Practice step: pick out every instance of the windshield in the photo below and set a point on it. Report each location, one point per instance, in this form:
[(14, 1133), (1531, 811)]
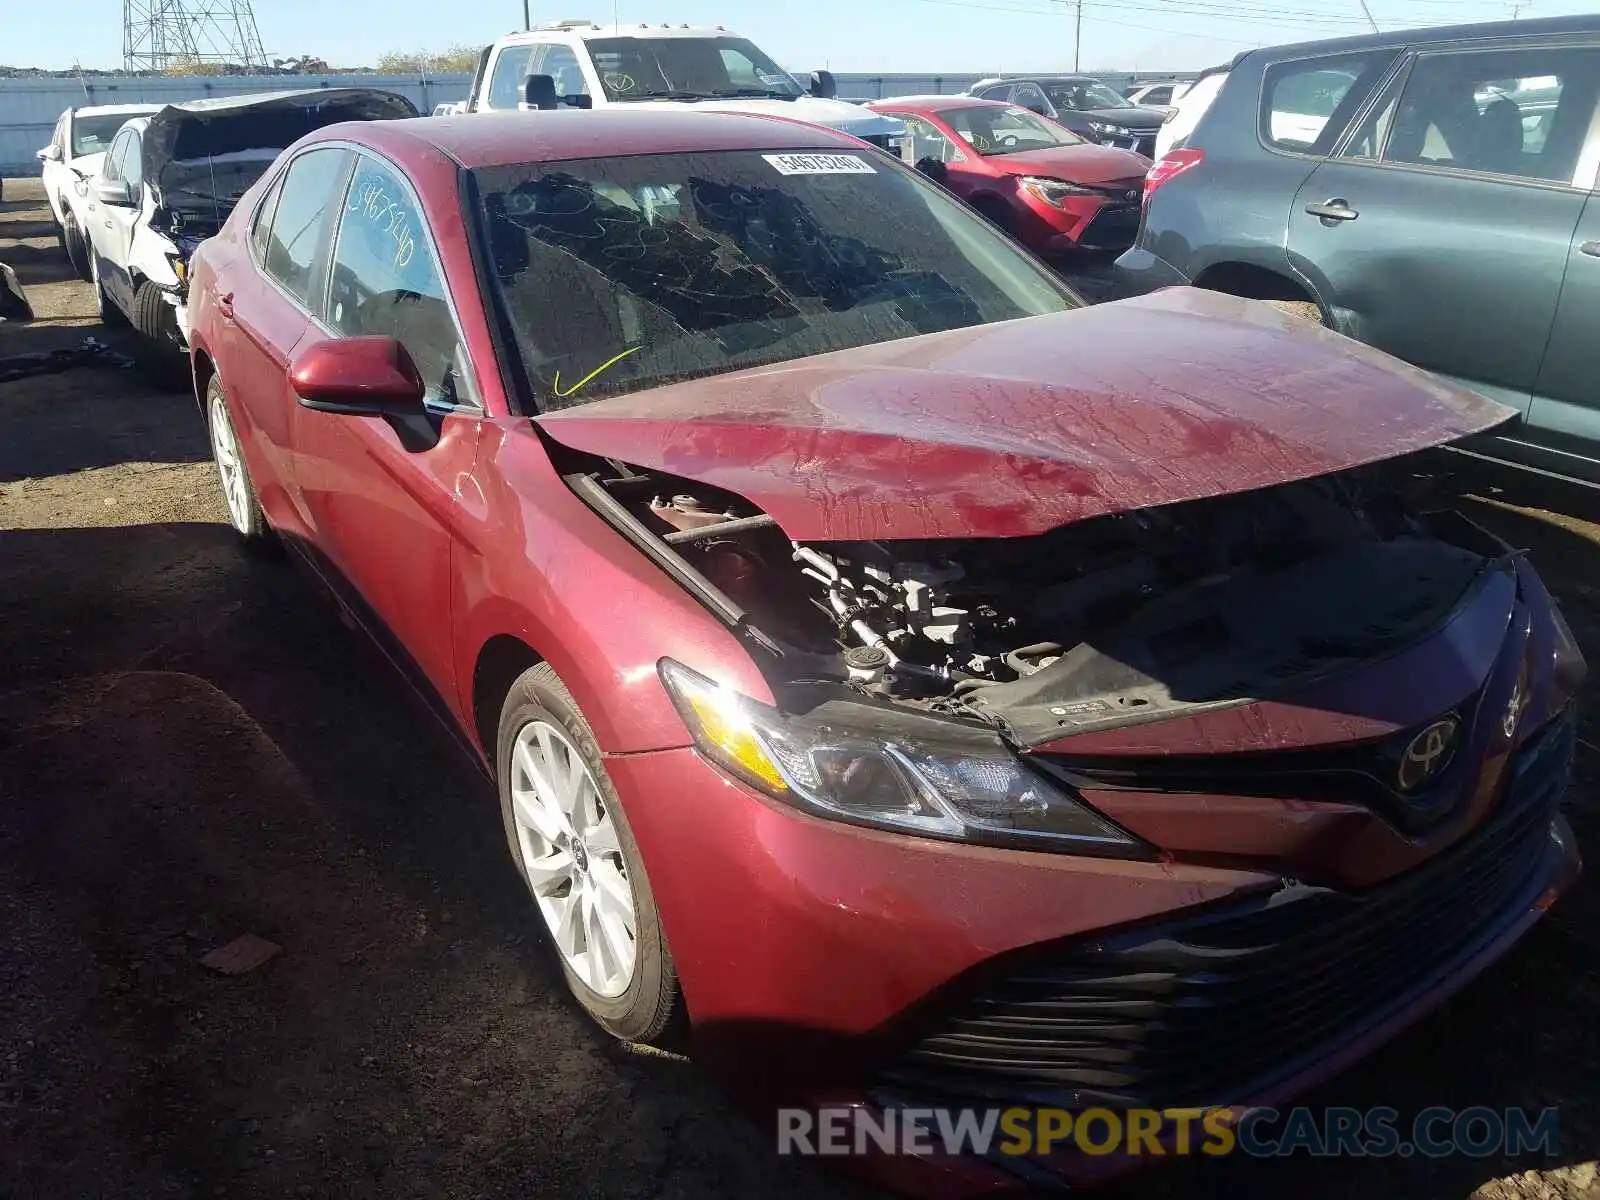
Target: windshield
[(92, 134), (618, 274), (634, 68), (1006, 130), (1083, 95)]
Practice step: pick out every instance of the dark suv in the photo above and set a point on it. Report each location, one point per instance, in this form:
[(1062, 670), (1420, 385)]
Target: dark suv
[(1087, 106), (1426, 192)]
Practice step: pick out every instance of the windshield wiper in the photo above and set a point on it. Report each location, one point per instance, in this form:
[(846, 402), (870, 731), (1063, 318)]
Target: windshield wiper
[(769, 93), (632, 96)]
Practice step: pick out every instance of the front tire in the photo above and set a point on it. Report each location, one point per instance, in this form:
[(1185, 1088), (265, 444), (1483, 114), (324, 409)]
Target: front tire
[(576, 852), (111, 316), (74, 246), (238, 489), (160, 349)]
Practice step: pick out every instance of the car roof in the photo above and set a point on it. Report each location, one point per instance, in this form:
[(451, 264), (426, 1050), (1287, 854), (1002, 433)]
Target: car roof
[(114, 110), (1526, 28), (1039, 78), (933, 103), (587, 32), (499, 139)]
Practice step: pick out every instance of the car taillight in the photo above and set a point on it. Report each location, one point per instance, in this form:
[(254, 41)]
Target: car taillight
[(1169, 167)]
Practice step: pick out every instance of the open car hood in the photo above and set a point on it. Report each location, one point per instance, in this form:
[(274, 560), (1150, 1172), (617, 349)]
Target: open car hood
[(1016, 428), (240, 128)]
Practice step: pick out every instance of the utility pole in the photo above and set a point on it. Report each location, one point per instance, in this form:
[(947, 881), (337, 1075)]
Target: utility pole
[(527, 16), (1077, 39)]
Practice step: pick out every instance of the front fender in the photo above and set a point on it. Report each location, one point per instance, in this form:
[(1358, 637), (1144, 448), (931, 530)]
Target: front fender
[(539, 565)]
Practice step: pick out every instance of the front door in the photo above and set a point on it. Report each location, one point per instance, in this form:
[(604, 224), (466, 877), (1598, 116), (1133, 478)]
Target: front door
[(1439, 230), (384, 506), (111, 225)]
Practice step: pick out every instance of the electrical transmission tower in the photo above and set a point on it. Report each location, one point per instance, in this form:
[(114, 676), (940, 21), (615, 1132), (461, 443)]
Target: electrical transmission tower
[(157, 34)]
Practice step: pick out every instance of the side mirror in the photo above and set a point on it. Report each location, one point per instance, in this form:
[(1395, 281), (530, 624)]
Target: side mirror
[(357, 377), (51, 153), (823, 86), (113, 192), (539, 92)]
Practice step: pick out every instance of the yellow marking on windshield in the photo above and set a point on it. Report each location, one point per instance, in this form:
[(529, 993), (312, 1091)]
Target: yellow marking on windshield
[(605, 366)]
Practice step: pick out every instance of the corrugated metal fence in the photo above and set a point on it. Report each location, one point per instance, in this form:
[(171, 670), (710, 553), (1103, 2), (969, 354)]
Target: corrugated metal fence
[(29, 107)]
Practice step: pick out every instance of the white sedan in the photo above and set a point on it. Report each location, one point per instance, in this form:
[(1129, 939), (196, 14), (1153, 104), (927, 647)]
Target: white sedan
[(71, 160)]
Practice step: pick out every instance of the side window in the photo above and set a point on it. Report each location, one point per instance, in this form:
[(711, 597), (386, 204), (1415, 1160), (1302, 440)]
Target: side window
[(111, 165), (995, 91), (133, 164), (925, 140), (741, 71), (386, 281), (1306, 104), (1031, 97), (262, 229), (510, 69), (1160, 95), (1523, 113), (308, 203), (561, 64)]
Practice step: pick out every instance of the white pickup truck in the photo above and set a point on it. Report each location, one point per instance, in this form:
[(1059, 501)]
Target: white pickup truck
[(578, 64)]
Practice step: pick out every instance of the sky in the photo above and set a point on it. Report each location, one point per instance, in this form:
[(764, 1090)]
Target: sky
[(842, 35)]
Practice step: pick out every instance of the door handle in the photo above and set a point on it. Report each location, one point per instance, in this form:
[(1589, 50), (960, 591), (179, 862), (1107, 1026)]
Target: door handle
[(225, 306), (1336, 209), (1592, 249)]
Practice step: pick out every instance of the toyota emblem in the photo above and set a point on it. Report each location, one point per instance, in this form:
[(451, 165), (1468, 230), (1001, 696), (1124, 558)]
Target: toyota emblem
[(1428, 754)]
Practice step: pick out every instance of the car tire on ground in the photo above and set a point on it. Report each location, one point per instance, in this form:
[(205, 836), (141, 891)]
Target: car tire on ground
[(74, 246), (997, 214), (160, 349), (575, 850), (111, 316), (238, 489)]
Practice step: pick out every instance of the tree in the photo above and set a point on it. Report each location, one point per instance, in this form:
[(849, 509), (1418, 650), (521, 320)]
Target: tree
[(454, 60)]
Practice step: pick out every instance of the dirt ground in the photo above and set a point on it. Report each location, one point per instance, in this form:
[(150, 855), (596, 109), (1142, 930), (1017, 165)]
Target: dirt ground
[(193, 748)]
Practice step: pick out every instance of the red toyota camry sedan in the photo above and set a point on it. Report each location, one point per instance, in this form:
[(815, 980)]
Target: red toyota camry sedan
[(913, 687), (1040, 182)]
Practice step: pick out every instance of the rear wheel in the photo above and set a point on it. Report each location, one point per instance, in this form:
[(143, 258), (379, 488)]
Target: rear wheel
[(238, 490), (997, 214), (575, 850)]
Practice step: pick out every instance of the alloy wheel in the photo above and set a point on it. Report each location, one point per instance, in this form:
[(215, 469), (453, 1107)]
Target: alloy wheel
[(225, 448), (568, 849)]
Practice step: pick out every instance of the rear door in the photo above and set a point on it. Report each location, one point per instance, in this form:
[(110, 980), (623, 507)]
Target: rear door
[(1565, 413), (271, 305), (384, 511), (1440, 230)]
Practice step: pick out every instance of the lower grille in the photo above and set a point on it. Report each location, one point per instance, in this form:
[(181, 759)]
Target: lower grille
[(1112, 228), (1212, 1008)]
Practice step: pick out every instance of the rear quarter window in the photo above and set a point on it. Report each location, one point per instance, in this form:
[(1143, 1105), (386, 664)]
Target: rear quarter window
[(1306, 104)]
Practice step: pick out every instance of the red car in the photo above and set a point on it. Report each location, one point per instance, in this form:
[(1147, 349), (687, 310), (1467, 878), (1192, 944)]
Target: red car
[(1038, 181), (911, 684)]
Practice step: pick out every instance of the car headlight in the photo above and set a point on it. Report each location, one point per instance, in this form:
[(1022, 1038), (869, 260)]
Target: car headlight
[(1106, 129), (1052, 191), (888, 769)]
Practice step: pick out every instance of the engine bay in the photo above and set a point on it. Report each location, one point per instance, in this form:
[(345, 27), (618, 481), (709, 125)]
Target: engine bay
[(1131, 616)]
